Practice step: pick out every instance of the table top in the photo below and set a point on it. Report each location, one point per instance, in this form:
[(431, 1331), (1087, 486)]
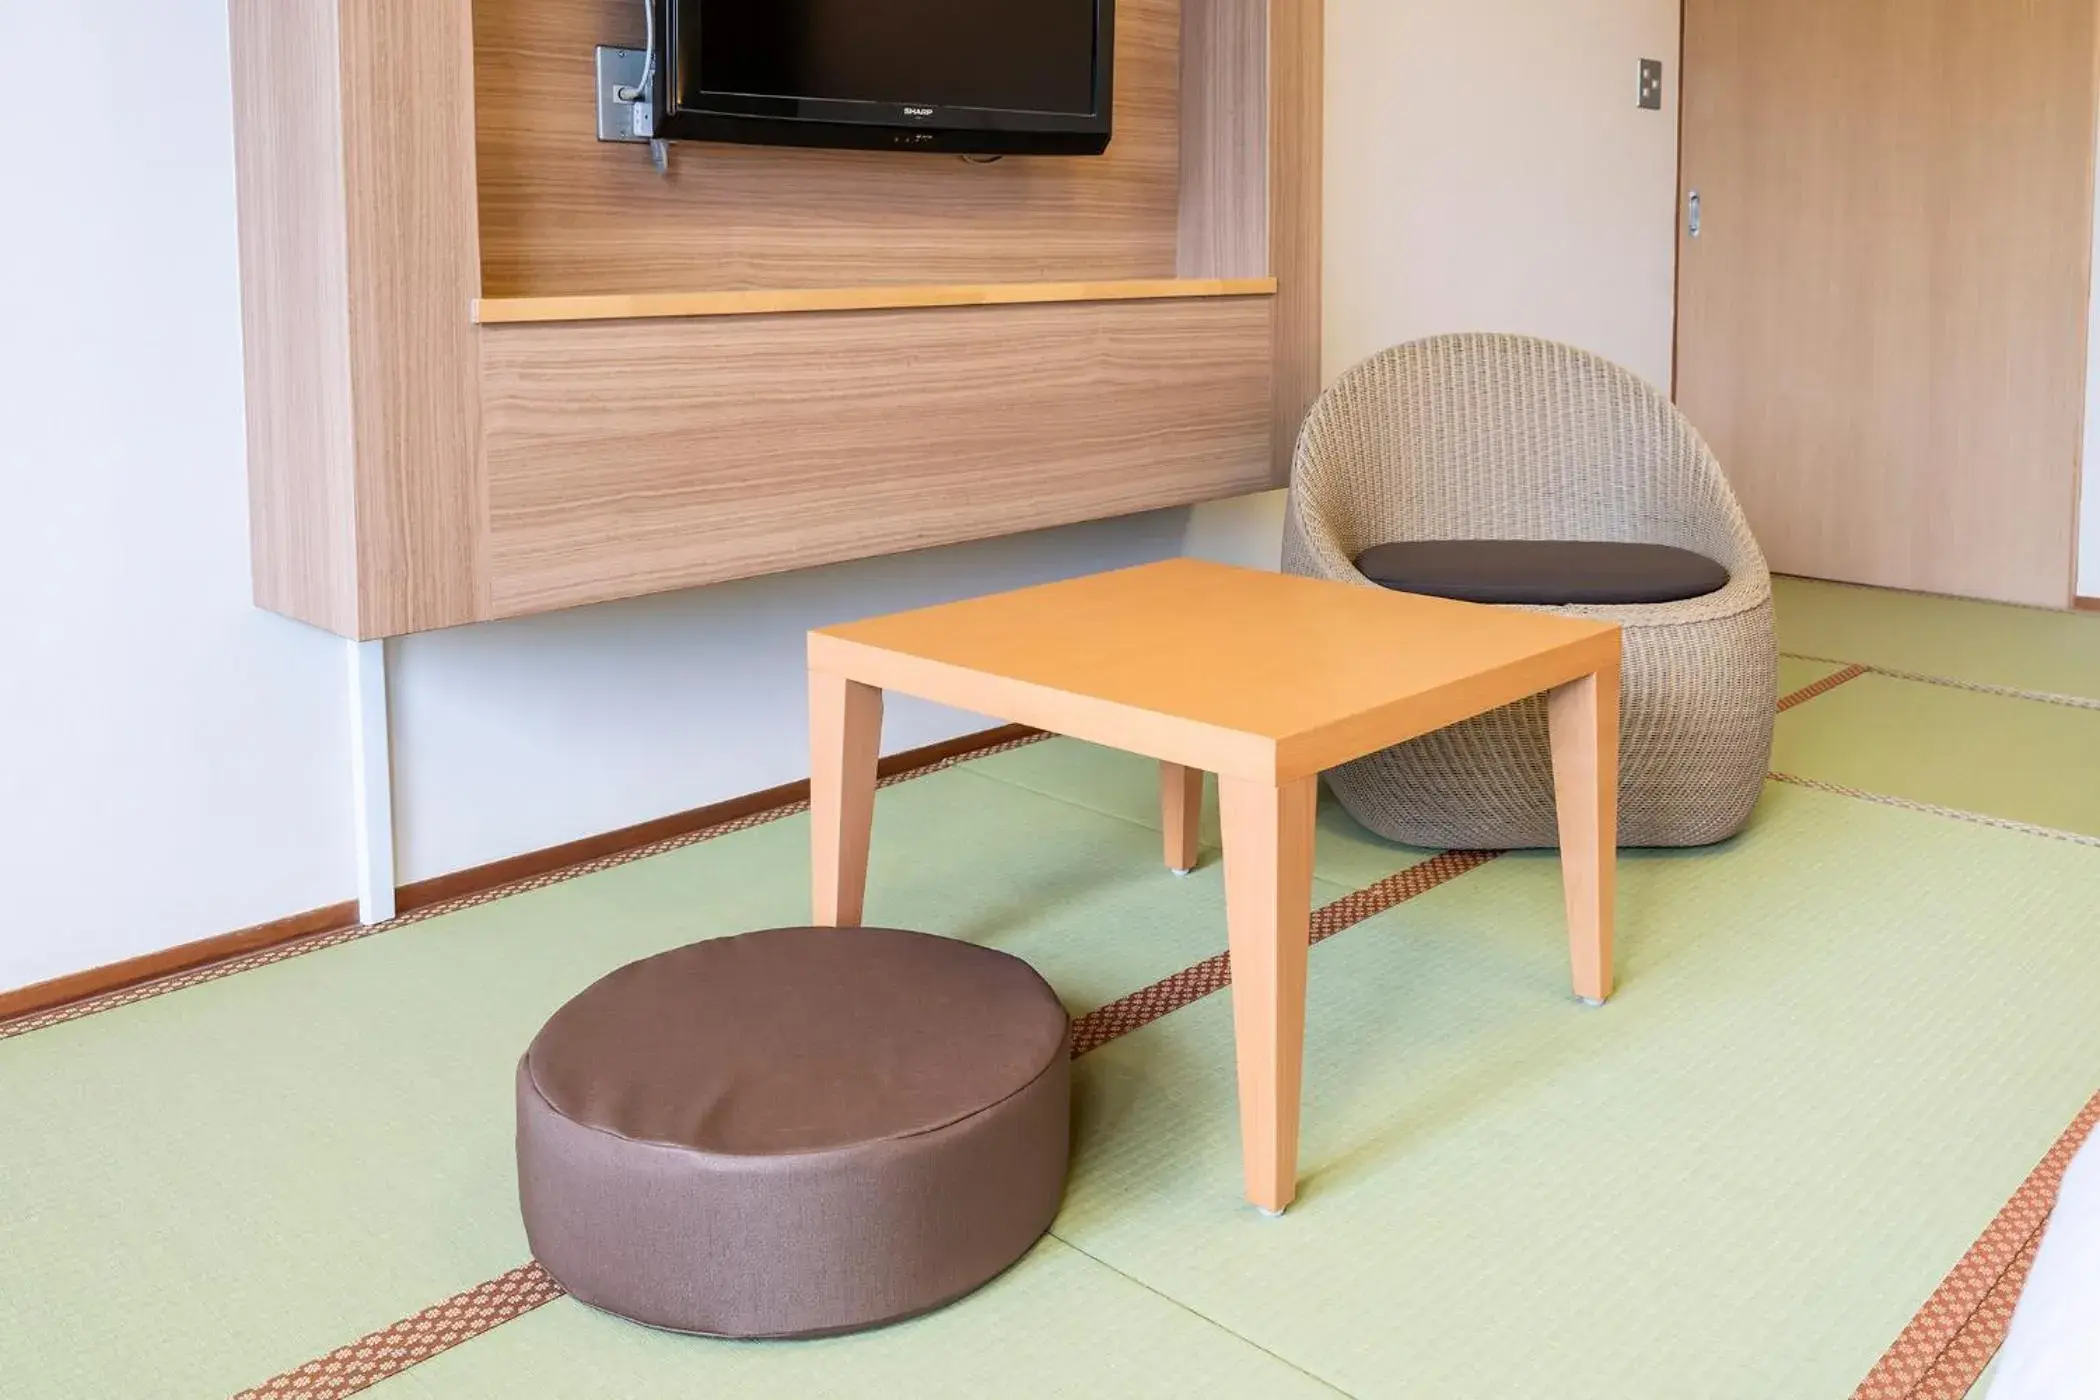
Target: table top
[(1232, 670)]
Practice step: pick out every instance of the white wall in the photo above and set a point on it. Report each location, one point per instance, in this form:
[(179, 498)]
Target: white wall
[(1487, 169), (514, 736), (176, 763)]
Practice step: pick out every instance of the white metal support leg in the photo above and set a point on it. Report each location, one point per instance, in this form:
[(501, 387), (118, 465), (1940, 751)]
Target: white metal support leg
[(372, 782)]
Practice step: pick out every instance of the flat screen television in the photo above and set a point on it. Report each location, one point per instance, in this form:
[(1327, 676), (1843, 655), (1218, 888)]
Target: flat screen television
[(973, 77)]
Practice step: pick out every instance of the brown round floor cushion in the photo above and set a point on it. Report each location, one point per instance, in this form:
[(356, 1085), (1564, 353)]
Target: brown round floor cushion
[(796, 1132)]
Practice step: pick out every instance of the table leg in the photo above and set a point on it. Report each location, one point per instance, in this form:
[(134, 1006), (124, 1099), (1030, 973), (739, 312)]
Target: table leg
[(845, 740), (1181, 814), (1268, 909), (1585, 726)]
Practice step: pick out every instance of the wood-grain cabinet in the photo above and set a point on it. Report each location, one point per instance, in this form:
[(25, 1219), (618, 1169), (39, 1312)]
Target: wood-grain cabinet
[(496, 367)]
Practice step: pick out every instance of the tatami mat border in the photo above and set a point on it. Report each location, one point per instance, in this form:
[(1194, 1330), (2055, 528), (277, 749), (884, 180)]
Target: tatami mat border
[(2076, 838), (1938, 1357), (1960, 1328), (1822, 687), (2010, 692), (145, 991), (483, 1308), (1141, 1008), (391, 1350)]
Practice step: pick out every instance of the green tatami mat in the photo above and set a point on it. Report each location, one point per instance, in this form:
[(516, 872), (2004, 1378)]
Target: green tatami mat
[(1839, 1046), (1124, 785), (209, 1187), (1056, 1325), (1993, 754), (1989, 643), (1841, 1042)]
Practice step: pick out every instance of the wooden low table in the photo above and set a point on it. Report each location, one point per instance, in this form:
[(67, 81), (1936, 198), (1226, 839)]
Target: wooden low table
[(1265, 680)]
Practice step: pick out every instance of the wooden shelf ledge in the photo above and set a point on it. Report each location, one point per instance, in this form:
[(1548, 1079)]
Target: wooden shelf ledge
[(497, 311)]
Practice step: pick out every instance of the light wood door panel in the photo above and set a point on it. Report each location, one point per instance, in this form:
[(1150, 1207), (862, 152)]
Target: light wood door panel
[(1881, 327)]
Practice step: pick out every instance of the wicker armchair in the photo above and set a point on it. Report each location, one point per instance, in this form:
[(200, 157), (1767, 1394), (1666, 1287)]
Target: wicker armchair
[(1505, 437)]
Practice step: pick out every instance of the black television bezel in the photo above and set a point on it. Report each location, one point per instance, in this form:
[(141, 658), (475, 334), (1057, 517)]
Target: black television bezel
[(843, 125)]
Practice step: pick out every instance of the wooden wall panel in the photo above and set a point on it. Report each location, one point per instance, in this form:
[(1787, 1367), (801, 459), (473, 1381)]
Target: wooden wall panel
[(410, 470), (1224, 139), (408, 164), (295, 310), (1882, 324), (563, 214), (354, 142), (1297, 75), (635, 457)]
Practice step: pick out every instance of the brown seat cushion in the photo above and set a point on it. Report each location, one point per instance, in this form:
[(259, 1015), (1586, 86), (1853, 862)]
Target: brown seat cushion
[(795, 1132), (1552, 572)]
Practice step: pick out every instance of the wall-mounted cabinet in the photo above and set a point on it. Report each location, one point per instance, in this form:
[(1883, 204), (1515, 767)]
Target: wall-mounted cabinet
[(496, 367)]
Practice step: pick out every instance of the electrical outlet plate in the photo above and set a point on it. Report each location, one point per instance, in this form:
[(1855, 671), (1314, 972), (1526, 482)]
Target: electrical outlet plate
[(1651, 89), (620, 68)]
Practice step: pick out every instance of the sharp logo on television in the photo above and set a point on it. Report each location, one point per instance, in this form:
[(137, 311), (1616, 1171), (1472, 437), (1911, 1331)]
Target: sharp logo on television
[(918, 111)]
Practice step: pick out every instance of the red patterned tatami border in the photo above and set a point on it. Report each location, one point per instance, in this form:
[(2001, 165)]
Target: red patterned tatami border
[(1141, 1008), (1822, 687), (2010, 692), (379, 1355), (375, 1356), (146, 991), (1937, 1358), (1960, 1328)]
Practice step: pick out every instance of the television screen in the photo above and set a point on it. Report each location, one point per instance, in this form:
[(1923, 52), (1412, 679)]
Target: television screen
[(952, 75), (1026, 55)]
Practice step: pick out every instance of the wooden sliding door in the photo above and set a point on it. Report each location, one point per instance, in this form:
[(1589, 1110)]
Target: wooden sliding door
[(1882, 319)]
